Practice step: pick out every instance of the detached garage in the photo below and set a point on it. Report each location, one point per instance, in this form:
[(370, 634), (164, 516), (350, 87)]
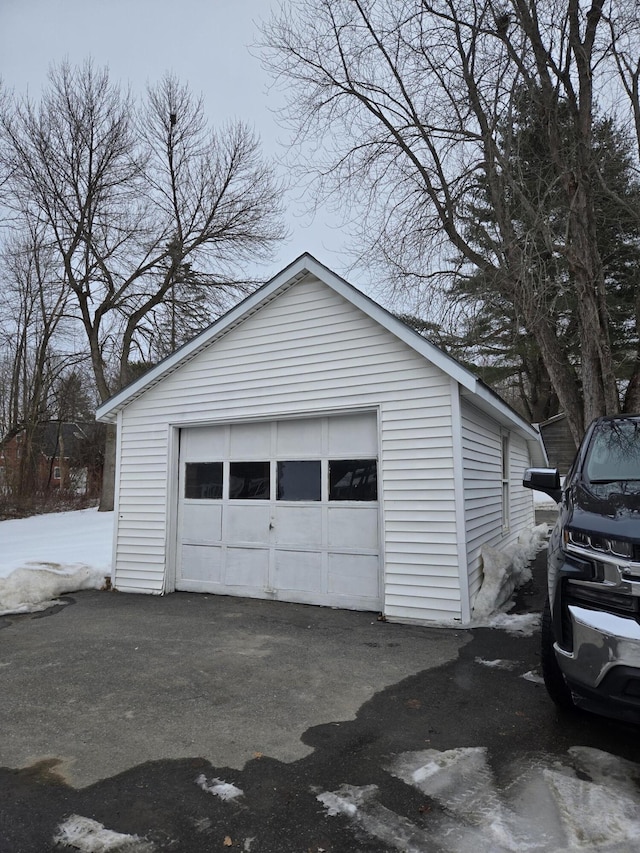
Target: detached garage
[(310, 447)]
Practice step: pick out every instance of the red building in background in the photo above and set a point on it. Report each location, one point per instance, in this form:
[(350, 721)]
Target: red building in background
[(58, 456)]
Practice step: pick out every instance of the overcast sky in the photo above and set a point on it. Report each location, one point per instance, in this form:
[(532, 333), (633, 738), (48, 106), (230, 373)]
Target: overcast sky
[(205, 42)]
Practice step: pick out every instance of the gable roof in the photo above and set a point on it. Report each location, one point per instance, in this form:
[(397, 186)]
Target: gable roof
[(50, 437), (471, 386)]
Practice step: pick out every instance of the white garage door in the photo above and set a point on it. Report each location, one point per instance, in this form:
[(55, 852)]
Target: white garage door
[(285, 510)]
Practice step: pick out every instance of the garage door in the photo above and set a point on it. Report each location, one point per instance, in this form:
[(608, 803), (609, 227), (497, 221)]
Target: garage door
[(285, 510)]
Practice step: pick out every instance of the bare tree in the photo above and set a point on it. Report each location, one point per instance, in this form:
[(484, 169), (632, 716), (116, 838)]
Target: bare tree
[(404, 108), (135, 200), (32, 310)]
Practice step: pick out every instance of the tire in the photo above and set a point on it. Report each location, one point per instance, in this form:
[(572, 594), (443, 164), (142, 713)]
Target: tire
[(551, 672)]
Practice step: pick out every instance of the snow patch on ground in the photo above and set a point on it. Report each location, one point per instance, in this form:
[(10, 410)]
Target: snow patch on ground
[(45, 556), (224, 790), (361, 805), (533, 676), (84, 536), (588, 801), (521, 624), (89, 836), (497, 664), (346, 799)]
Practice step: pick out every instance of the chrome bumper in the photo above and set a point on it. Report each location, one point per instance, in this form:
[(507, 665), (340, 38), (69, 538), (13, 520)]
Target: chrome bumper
[(601, 641)]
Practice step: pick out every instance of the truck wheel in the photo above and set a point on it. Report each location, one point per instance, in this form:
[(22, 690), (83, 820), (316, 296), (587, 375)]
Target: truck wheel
[(551, 672)]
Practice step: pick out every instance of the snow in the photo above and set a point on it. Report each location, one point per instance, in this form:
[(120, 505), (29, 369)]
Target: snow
[(543, 501), (586, 800), (503, 572), (361, 805), (45, 556), (346, 800), (533, 676), (37, 587), (497, 664), (83, 536), (521, 624), (224, 790), (89, 836)]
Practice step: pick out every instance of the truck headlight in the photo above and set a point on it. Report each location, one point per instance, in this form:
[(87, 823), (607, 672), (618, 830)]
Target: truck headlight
[(597, 543)]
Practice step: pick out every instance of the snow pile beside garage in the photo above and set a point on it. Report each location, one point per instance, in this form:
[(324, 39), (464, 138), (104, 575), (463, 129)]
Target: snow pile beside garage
[(504, 571), (38, 586), (45, 556)]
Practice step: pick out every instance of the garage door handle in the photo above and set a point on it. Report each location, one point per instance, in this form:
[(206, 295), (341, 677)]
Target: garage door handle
[(270, 525)]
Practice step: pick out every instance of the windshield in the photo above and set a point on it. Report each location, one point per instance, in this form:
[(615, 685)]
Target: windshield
[(614, 452)]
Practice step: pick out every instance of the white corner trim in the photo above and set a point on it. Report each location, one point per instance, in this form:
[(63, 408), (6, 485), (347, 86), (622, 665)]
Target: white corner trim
[(172, 499), (116, 501), (458, 492)]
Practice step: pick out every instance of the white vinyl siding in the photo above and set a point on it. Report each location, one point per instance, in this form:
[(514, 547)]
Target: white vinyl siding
[(483, 441), (521, 500), (481, 452), (140, 534), (308, 352)]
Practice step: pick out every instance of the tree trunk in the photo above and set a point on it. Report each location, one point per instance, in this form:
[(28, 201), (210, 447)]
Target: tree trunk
[(561, 374), (632, 396), (518, 288), (540, 396), (107, 498), (585, 267)]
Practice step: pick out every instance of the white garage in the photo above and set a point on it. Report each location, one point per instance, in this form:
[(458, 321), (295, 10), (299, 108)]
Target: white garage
[(284, 509), (310, 447)]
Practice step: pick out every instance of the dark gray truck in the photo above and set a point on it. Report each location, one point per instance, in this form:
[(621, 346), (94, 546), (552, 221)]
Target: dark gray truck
[(591, 623)]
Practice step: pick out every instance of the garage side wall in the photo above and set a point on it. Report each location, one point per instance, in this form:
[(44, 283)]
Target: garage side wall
[(307, 352), (491, 516), (521, 500)]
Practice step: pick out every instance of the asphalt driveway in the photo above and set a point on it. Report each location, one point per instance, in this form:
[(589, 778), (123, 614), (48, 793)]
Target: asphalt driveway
[(191, 723), (110, 681)]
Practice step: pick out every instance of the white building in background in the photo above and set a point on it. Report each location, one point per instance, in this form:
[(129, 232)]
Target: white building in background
[(310, 447)]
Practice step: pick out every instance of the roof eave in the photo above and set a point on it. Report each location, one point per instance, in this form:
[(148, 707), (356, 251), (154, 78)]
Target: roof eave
[(307, 265)]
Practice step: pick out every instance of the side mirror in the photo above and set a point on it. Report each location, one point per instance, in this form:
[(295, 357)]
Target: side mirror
[(545, 480)]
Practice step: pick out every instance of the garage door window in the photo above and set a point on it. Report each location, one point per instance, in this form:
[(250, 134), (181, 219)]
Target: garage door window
[(203, 480), (299, 481), (353, 480), (249, 481)]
